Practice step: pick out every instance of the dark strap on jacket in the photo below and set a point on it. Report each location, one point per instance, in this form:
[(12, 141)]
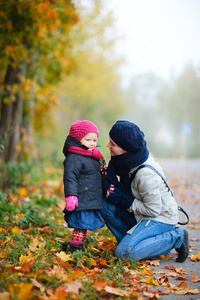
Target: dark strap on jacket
[(156, 171), (152, 168)]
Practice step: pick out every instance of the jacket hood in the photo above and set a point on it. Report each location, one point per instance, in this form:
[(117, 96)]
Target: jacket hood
[(71, 141)]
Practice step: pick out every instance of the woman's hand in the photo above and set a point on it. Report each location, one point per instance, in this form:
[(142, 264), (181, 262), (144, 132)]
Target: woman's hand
[(116, 196)]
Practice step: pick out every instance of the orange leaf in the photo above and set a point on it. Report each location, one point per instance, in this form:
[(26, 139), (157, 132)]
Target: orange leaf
[(195, 278), (27, 267), (100, 284), (196, 257), (103, 262), (25, 291), (58, 294), (23, 192), (75, 275)]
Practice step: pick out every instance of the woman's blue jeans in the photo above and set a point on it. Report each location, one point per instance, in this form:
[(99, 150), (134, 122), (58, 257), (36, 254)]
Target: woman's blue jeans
[(149, 239)]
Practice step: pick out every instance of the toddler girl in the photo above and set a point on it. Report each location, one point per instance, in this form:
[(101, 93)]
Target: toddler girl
[(82, 181)]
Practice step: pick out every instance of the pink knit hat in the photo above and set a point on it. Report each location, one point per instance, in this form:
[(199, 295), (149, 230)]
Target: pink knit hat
[(81, 128)]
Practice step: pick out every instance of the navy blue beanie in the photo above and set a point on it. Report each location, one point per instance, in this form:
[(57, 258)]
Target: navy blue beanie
[(127, 136)]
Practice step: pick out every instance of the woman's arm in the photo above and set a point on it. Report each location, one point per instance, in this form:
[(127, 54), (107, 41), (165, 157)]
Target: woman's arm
[(147, 186)]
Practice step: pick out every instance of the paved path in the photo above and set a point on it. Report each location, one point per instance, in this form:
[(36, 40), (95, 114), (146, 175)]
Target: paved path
[(183, 177)]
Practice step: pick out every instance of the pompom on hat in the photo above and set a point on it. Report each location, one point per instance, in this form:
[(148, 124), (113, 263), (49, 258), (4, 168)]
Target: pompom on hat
[(127, 136), (81, 128)]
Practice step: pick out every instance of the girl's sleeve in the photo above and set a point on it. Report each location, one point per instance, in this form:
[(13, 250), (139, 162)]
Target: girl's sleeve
[(147, 184), (72, 167)]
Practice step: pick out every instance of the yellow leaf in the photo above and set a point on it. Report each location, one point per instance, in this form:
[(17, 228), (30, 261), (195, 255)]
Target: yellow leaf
[(23, 192), (26, 258), (25, 291), (64, 257), (15, 230), (36, 245), (196, 257), (150, 280), (93, 262)]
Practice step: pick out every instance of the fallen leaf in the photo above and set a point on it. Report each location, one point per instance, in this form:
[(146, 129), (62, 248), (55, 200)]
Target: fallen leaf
[(100, 284), (195, 257), (183, 289), (154, 262), (36, 245), (23, 192), (58, 272), (26, 258), (75, 275), (25, 291), (64, 257), (103, 262), (5, 296), (194, 239), (38, 285), (15, 230), (93, 262), (195, 278), (58, 294), (150, 280), (27, 267), (165, 257), (151, 295), (117, 292), (73, 287)]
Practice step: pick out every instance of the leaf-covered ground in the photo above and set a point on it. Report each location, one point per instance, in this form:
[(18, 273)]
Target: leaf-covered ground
[(34, 266)]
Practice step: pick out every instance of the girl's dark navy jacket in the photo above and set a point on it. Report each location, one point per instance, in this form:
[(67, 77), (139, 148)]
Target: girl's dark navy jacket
[(82, 178)]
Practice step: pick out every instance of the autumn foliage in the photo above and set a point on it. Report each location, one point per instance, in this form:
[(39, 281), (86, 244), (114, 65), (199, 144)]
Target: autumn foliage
[(33, 264), (35, 51)]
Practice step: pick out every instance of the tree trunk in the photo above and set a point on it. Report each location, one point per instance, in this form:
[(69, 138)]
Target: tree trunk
[(11, 110)]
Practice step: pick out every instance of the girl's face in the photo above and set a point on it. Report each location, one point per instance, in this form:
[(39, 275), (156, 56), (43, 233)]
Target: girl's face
[(114, 148), (90, 140)]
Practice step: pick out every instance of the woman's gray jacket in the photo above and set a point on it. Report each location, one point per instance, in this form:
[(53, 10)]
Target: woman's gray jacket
[(153, 200)]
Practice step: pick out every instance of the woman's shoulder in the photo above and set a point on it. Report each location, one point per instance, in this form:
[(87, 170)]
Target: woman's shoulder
[(146, 168)]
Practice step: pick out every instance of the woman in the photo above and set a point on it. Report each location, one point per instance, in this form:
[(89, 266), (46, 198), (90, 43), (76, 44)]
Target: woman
[(142, 214)]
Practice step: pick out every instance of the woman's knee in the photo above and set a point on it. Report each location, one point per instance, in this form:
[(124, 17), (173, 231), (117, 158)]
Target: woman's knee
[(123, 251)]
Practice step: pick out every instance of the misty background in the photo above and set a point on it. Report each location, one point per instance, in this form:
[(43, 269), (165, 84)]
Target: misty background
[(160, 75)]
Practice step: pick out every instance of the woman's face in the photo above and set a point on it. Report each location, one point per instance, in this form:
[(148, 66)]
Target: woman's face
[(114, 148)]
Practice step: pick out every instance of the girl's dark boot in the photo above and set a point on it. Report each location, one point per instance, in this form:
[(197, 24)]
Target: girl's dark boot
[(77, 241)]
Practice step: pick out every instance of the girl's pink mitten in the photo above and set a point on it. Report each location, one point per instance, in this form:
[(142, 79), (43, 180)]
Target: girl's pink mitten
[(71, 203)]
